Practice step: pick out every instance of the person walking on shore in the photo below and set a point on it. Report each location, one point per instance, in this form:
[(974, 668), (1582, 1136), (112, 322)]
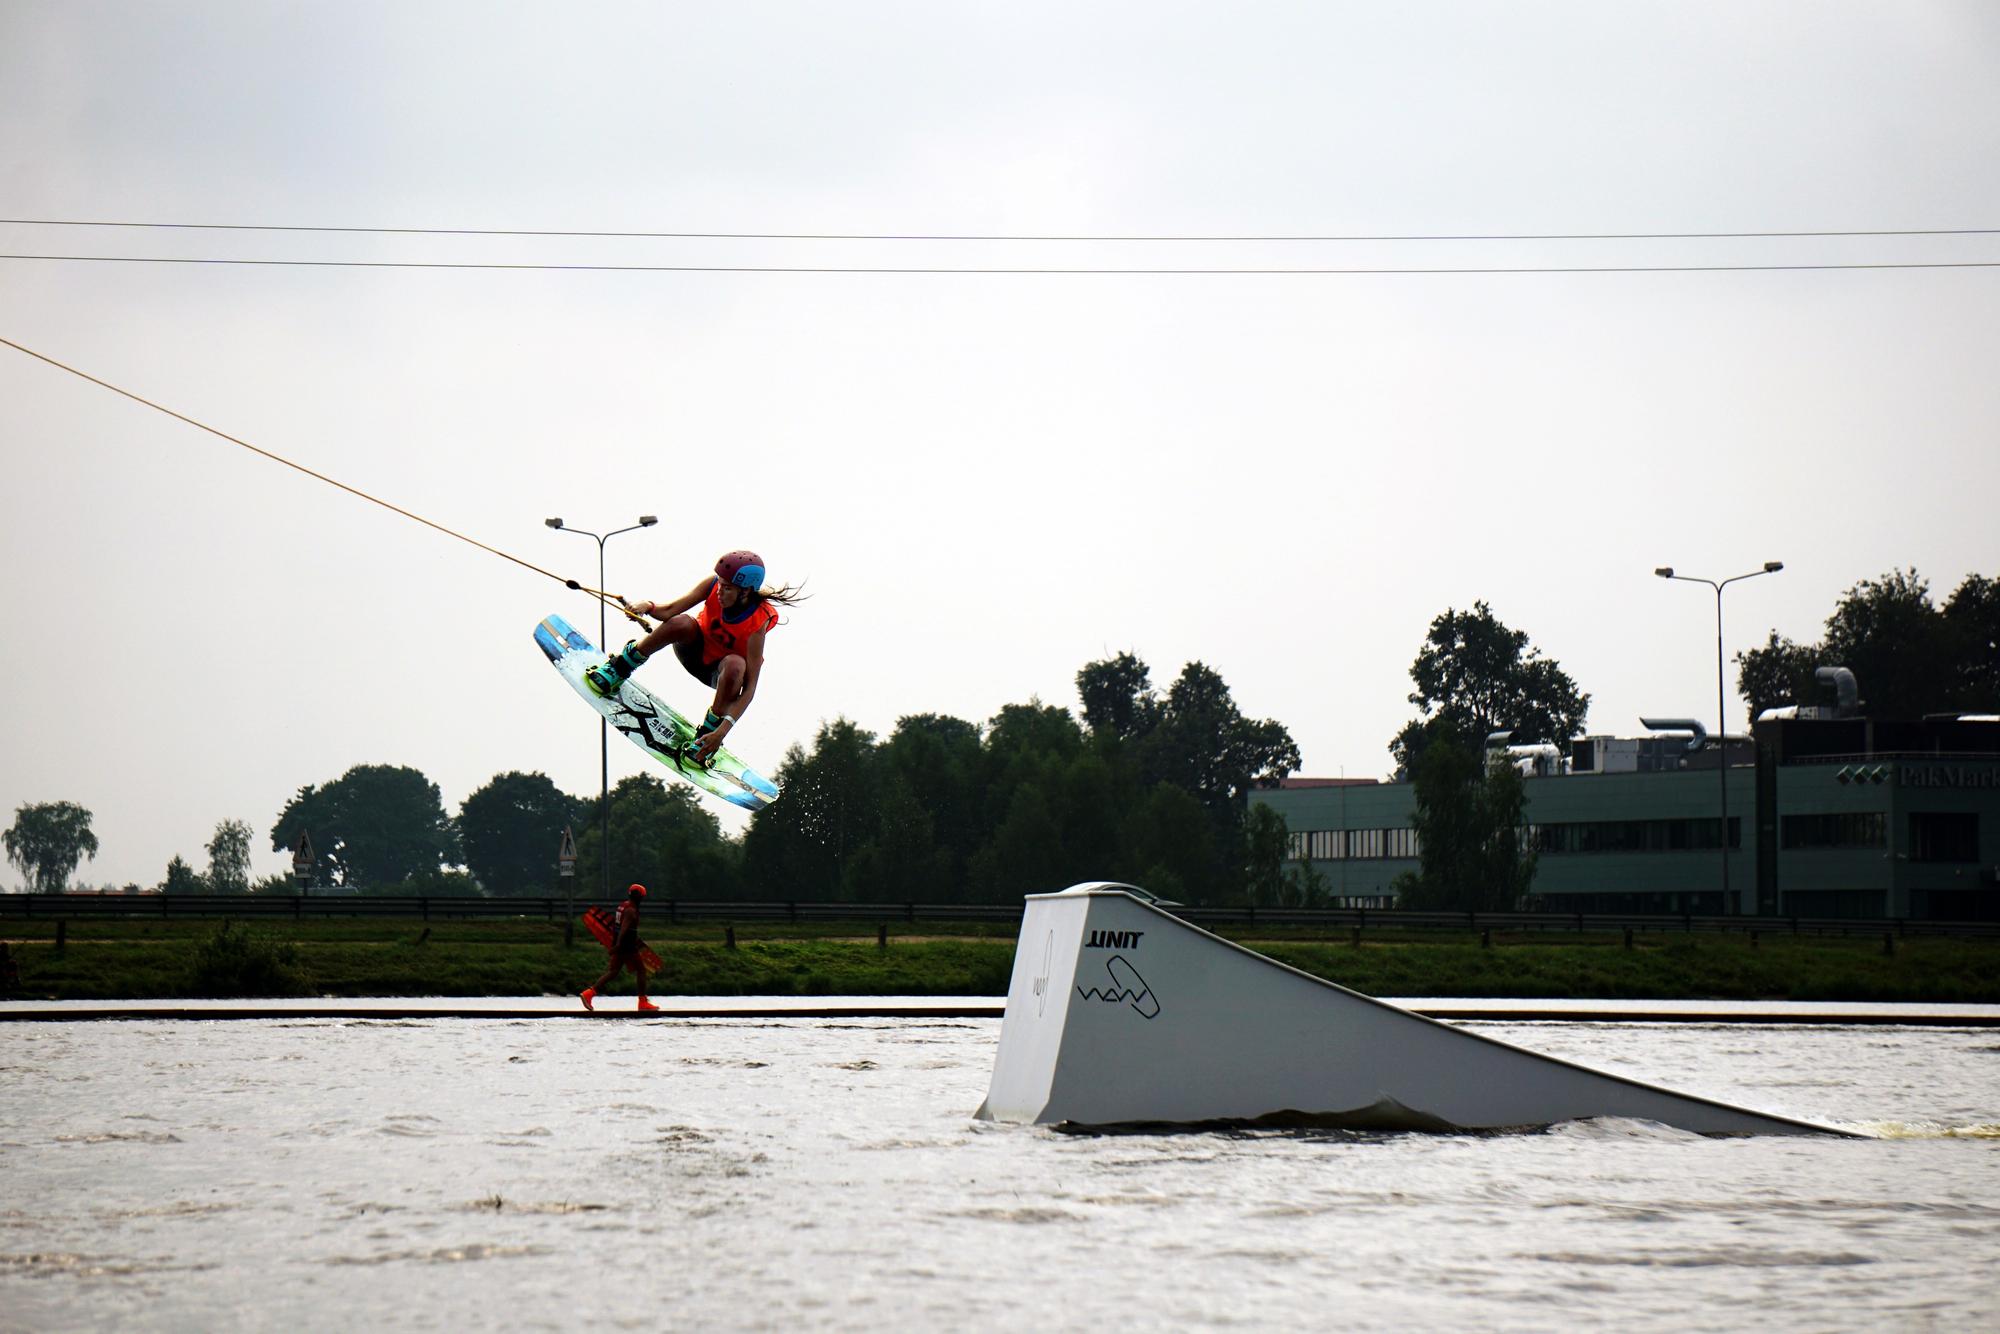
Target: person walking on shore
[(626, 950)]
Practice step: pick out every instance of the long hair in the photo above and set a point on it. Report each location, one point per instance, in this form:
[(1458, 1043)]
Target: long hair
[(785, 595)]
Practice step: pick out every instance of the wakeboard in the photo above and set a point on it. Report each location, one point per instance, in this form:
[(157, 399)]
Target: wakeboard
[(653, 725), (603, 923)]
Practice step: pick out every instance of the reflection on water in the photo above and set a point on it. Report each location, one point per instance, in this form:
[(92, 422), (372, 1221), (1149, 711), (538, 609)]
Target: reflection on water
[(772, 1174)]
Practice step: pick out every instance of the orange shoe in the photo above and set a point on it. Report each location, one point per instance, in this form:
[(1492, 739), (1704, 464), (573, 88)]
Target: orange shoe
[(589, 995), (646, 1006)]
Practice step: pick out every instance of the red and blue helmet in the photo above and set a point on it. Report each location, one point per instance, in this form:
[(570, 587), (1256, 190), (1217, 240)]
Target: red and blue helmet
[(744, 569)]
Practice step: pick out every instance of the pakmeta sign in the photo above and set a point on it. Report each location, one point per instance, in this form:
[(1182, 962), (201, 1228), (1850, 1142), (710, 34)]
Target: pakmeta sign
[(1950, 775)]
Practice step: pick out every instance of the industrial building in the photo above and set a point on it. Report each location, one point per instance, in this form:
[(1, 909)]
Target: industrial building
[(1830, 814)]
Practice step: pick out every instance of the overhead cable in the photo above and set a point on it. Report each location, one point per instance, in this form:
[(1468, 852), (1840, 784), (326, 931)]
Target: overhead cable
[(997, 271), (997, 236)]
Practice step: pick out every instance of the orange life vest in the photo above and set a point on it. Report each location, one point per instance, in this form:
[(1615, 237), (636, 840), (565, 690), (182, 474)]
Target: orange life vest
[(720, 638)]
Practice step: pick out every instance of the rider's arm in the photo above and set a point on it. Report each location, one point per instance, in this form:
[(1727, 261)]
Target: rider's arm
[(667, 610)]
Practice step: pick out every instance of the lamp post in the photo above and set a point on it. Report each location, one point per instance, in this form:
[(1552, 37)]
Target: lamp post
[(1721, 709), (603, 724)]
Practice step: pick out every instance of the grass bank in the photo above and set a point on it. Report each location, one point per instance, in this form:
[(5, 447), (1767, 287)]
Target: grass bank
[(109, 960)]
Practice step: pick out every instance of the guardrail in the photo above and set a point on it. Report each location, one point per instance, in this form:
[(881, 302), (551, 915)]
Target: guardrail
[(442, 908)]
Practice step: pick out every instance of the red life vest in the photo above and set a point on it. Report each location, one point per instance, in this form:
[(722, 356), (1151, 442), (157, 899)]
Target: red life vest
[(720, 638)]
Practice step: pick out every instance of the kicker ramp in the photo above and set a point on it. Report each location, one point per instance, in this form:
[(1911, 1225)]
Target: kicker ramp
[(1119, 1013)]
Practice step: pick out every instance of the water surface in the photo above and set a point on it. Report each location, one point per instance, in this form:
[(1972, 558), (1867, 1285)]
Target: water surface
[(165, 1174)]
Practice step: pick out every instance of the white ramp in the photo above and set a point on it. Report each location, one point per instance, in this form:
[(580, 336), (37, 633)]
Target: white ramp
[(1119, 1013)]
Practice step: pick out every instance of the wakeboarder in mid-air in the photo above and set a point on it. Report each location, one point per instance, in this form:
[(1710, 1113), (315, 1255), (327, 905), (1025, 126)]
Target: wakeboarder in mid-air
[(721, 645)]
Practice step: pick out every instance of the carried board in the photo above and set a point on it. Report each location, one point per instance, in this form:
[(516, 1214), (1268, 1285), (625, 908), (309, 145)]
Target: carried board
[(654, 726), (603, 923)]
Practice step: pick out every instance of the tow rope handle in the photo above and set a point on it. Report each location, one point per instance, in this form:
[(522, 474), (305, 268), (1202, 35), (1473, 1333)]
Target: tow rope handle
[(630, 615), (608, 598)]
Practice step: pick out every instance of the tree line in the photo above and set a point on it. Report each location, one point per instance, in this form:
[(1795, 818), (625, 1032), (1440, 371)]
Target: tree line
[(1139, 784), (1135, 784)]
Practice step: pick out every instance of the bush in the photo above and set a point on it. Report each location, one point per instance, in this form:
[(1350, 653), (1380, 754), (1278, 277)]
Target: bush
[(439, 885), (238, 962)]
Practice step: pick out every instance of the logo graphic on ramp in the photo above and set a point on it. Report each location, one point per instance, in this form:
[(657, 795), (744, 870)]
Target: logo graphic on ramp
[(1042, 978), (1126, 985)]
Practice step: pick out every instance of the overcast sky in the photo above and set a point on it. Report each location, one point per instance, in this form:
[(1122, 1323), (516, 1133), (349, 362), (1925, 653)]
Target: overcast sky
[(988, 480)]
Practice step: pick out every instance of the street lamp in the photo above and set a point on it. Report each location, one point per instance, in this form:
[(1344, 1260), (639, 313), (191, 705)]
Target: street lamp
[(1721, 708), (603, 724)]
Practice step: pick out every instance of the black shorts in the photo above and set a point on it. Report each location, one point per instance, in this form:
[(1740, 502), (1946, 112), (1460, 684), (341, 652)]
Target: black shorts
[(690, 655)]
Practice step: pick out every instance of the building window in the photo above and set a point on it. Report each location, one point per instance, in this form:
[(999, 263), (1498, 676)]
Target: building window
[(1846, 829), (1320, 845), (1630, 836), (1944, 836)]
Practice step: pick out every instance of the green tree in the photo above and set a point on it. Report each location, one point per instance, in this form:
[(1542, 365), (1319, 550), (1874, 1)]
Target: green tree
[(904, 862), (511, 830), (376, 825), (1154, 791), (312, 810), (1168, 846), (1118, 699), (1025, 855), (1475, 676), (1023, 743), (1202, 745), (1777, 672), (47, 840), (1306, 886), (181, 879), (1467, 821), (664, 838), (931, 792), (229, 858), (1888, 632), (1092, 793), (1972, 616), (1267, 841), (1909, 656), (801, 847)]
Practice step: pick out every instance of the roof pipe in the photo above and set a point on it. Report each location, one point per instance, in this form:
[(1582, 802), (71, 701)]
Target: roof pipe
[(1693, 725), (1846, 690)]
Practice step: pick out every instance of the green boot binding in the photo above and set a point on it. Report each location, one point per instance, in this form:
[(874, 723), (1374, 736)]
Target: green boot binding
[(708, 724), (607, 676)]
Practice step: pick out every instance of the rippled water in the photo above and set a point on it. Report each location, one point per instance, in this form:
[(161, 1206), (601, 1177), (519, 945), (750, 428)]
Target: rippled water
[(561, 1175)]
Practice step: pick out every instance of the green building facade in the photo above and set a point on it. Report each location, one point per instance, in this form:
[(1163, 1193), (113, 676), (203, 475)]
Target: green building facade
[(1827, 818)]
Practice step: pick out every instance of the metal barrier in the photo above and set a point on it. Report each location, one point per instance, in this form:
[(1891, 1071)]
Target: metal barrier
[(298, 907)]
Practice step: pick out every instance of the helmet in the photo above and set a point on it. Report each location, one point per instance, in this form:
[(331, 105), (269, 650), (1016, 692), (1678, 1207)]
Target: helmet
[(640, 890), (745, 569)]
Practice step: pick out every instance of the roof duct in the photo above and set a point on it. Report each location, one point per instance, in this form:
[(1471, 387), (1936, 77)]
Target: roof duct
[(1693, 725), (1846, 690)]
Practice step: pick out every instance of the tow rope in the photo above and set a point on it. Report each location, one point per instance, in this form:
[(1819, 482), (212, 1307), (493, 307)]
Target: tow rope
[(610, 599)]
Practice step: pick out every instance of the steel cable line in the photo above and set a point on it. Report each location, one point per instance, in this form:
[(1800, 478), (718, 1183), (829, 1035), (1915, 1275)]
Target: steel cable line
[(1003, 271), (600, 594), (978, 236)]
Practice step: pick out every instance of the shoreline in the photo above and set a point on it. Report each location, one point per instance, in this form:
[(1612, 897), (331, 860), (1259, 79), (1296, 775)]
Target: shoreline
[(920, 1008)]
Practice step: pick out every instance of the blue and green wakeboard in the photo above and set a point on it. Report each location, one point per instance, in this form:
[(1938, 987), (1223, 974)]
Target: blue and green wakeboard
[(654, 726)]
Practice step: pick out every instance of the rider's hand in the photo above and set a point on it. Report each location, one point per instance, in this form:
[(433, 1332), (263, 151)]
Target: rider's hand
[(705, 748)]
